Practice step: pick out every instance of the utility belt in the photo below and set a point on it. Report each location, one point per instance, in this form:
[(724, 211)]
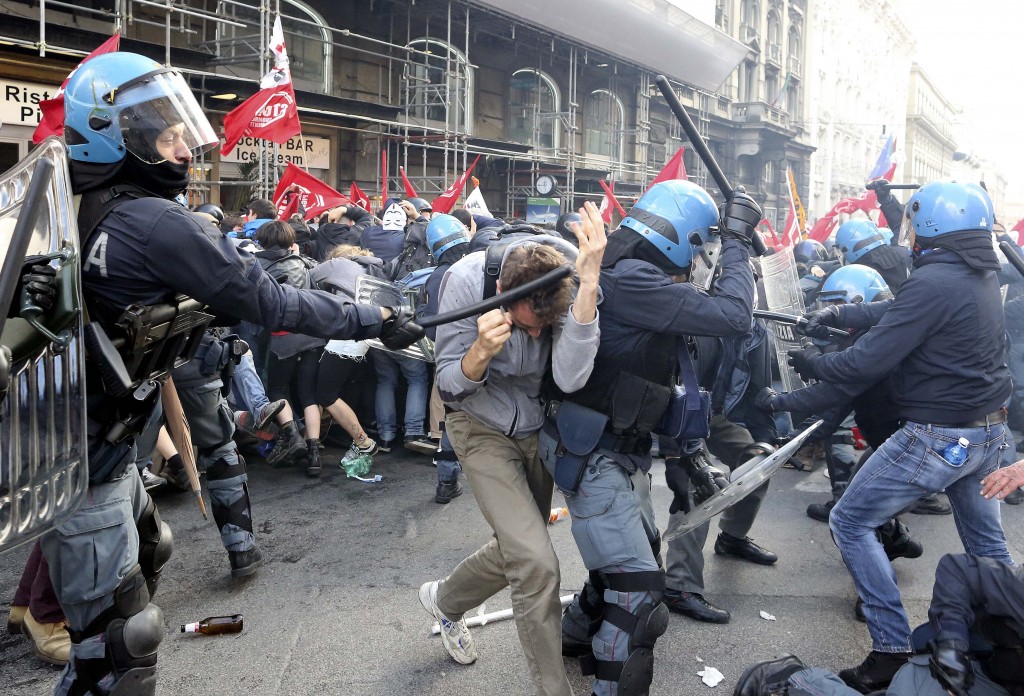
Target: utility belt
[(994, 418), (131, 363), (574, 433)]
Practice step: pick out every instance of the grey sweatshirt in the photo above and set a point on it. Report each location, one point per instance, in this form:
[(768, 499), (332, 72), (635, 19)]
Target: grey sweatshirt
[(508, 396)]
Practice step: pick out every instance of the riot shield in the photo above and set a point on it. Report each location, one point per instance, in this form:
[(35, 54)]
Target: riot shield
[(782, 292), (43, 467), (743, 481), (382, 293)]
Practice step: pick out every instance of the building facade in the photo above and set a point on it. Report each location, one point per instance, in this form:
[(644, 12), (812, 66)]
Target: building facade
[(435, 83)]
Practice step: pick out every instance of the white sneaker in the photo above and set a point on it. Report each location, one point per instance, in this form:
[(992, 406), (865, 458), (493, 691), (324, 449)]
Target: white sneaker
[(151, 480), (454, 635)]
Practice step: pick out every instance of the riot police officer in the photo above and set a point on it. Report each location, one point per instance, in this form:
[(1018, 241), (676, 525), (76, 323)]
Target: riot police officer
[(132, 128), (945, 334), (597, 440)]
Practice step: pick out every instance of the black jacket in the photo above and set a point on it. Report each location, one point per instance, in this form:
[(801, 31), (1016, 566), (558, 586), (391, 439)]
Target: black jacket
[(891, 262), (943, 339)]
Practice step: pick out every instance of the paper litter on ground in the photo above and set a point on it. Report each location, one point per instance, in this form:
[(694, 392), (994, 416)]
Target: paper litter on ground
[(766, 616), (711, 676)]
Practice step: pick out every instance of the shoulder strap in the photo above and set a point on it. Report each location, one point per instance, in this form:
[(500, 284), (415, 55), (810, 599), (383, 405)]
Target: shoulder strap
[(492, 268), (96, 205)]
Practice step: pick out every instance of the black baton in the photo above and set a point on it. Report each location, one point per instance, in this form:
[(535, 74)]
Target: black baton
[(503, 298), (756, 243), (1013, 255), (796, 321)]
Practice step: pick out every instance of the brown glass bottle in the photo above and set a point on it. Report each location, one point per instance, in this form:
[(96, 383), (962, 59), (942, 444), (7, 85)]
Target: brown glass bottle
[(215, 625)]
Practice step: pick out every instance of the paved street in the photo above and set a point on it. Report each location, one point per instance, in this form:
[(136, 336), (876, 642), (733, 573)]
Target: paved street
[(334, 610)]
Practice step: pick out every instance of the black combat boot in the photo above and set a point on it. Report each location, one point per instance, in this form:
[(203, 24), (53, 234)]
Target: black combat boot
[(313, 468), (897, 542), (768, 678), (875, 672), (287, 445), (244, 563)]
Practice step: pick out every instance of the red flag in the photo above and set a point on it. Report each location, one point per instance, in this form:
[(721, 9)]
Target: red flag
[(291, 203), (673, 169), (446, 201), (52, 122), (270, 114), (825, 224), (609, 195), (315, 195), (771, 230), (410, 192), (358, 197), (383, 176)]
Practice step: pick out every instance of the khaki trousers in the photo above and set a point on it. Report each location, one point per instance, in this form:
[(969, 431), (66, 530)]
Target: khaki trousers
[(513, 490)]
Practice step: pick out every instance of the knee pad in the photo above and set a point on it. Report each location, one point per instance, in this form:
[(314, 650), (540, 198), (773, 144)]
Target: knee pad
[(130, 598), (227, 463), (155, 545), (131, 648)]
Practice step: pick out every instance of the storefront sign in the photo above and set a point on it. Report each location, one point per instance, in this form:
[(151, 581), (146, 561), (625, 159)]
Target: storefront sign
[(306, 151), (20, 103)]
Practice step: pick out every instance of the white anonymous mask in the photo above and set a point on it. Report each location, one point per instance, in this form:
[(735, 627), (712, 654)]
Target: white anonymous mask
[(394, 218)]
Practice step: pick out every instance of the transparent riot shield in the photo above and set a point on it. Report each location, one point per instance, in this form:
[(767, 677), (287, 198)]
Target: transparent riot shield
[(43, 467), (383, 293), (782, 292)]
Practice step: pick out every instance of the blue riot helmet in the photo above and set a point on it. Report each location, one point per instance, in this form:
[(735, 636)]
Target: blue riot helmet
[(854, 283), (676, 217), (886, 234), (123, 102), (808, 251), (421, 205), (944, 207), (443, 233), (856, 238)]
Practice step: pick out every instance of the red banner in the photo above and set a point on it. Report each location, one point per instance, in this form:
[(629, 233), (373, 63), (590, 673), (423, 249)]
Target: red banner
[(383, 176), (52, 122), (609, 195), (270, 114), (358, 197), (673, 169), (446, 201), (410, 192), (314, 195)]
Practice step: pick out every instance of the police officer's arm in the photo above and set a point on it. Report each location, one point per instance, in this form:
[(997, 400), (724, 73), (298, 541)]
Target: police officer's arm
[(213, 271), (655, 303), (862, 315), (905, 324), (818, 398)]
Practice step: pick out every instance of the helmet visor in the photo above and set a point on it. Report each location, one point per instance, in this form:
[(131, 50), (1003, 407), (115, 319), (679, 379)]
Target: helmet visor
[(705, 263), (160, 119)]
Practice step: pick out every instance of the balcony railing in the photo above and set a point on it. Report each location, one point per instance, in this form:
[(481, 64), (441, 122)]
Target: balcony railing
[(795, 66), (774, 54), (748, 33), (759, 112)]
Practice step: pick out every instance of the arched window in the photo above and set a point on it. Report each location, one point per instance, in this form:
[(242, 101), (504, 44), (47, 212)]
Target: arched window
[(306, 37), (533, 101), (439, 85), (774, 29), (795, 46), (604, 121)]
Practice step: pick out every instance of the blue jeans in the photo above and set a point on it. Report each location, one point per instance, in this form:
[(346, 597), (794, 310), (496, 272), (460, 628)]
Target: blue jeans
[(250, 392), (417, 375), (908, 465), (448, 467)]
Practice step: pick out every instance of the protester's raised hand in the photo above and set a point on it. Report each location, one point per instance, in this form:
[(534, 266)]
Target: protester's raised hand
[(592, 243)]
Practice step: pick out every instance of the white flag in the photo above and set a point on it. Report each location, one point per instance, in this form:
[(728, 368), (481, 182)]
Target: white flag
[(475, 203), (280, 73)]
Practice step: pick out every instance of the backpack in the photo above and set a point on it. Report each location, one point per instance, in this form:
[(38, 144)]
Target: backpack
[(415, 253)]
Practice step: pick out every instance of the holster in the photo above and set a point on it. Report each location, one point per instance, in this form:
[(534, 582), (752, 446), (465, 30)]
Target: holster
[(577, 430)]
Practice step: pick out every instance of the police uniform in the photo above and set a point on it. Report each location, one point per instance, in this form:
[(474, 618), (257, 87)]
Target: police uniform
[(620, 612)]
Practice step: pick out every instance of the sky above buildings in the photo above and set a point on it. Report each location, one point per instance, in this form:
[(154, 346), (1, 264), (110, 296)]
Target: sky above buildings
[(972, 53)]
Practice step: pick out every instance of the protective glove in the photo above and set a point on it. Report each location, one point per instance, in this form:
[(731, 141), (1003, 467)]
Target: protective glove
[(765, 399), (399, 330), (951, 667), (816, 324), (39, 280), (679, 483), (706, 479), (802, 360), (881, 189), (739, 217)]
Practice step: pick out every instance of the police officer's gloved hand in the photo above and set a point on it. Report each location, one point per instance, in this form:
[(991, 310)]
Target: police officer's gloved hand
[(765, 399), (817, 323), (951, 667), (881, 189), (679, 483), (802, 360), (39, 279), (739, 218), (706, 479), (399, 330)]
